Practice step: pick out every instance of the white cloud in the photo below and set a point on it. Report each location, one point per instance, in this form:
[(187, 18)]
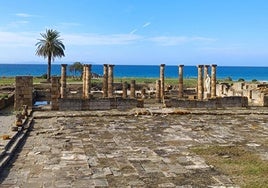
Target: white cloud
[(146, 24), (177, 40), (24, 15), (87, 39), (17, 39), (133, 31), (16, 24), (97, 39)]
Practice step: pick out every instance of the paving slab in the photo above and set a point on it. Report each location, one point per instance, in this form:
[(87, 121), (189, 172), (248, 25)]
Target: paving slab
[(128, 150)]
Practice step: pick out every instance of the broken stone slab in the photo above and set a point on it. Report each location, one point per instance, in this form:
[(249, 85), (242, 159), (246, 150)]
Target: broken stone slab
[(101, 182)]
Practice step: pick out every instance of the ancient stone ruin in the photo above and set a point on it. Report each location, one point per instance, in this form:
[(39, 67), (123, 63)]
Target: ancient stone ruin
[(207, 94)]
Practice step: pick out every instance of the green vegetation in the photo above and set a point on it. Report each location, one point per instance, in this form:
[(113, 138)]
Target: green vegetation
[(50, 46), (7, 81), (168, 81), (3, 96), (75, 68), (245, 167), (228, 79), (188, 83)]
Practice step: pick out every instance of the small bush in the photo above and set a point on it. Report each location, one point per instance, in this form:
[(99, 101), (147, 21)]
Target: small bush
[(44, 76), (228, 79)]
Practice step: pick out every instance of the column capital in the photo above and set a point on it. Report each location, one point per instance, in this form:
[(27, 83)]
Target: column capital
[(206, 65), (162, 65), (214, 65), (181, 65), (200, 66), (64, 65)]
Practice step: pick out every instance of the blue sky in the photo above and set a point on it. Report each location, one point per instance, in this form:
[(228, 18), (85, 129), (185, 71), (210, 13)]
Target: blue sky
[(189, 32)]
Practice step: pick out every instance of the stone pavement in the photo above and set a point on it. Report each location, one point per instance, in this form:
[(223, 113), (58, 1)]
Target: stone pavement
[(7, 119), (111, 149), (10, 140)]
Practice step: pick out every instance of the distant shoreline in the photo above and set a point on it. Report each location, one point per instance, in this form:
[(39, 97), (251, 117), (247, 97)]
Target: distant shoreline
[(140, 71)]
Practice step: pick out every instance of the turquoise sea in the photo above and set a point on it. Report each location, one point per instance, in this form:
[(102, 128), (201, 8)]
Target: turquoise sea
[(149, 71)]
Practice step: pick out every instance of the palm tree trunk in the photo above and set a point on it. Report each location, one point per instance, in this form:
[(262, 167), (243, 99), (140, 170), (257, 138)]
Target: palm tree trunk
[(49, 68)]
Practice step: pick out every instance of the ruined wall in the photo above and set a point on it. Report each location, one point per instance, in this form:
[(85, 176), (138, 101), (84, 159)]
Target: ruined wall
[(6, 101), (23, 92), (265, 100), (55, 93), (224, 102), (98, 104)]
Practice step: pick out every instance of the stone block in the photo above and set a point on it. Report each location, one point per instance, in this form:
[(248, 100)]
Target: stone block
[(100, 104)]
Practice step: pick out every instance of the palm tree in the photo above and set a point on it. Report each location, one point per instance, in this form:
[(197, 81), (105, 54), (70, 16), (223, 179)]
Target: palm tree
[(50, 46)]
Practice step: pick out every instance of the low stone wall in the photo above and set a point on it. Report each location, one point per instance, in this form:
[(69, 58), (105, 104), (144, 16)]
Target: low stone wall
[(7, 101), (99, 104), (224, 102), (265, 100)]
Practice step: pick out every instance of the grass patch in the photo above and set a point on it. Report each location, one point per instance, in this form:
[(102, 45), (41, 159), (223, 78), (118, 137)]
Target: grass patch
[(7, 81), (168, 81), (245, 168), (3, 96)]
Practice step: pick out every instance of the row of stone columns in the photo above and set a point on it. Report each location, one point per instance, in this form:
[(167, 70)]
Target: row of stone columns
[(108, 80), (86, 81), (160, 84), (203, 79)]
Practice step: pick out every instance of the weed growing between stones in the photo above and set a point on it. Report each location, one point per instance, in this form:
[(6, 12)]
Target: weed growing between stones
[(245, 168)]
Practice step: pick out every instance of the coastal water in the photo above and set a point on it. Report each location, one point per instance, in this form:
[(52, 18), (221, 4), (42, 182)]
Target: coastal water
[(148, 71)]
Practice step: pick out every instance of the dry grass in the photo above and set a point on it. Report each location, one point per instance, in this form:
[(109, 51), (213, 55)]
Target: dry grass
[(245, 168)]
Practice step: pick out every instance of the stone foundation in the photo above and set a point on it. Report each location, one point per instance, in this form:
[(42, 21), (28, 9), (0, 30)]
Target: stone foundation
[(225, 102), (99, 104), (7, 101)]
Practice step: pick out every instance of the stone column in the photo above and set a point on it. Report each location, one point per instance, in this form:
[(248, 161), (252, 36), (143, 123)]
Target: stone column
[(63, 81), (124, 95), (143, 93), (55, 92), (162, 81), (205, 76), (84, 81), (157, 93), (213, 80), (180, 94), (110, 80), (87, 81), (200, 88), (105, 81), (132, 89)]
